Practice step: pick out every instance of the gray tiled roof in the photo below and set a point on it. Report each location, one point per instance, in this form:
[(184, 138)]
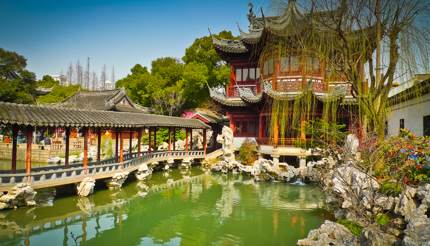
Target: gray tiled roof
[(102, 100), (35, 115)]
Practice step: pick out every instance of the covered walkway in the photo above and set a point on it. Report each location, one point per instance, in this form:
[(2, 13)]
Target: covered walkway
[(121, 125)]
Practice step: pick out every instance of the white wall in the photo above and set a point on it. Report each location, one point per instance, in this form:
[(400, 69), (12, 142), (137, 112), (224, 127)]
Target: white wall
[(413, 111)]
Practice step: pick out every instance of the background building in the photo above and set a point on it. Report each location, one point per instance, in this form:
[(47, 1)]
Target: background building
[(410, 107)]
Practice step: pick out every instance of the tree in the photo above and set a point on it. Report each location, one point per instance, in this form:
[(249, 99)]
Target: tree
[(171, 69), (16, 83), (135, 85), (387, 36), (47, 82), (202, 51), (58, 94), (194, 80)]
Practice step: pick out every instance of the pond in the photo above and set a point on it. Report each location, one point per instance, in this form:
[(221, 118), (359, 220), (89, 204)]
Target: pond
[(197, 209)]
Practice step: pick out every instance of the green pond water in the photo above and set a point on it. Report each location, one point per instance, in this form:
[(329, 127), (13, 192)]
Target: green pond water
[(206, 209)]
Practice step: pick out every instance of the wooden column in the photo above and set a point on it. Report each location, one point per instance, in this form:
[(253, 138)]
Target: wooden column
[(302, 129), (99, 143), (276, 133), (260, 126), (155, 138), (67, 152), (85, 162), (170, 139), (191, 139), (29, 136), (116, 144), (174, 138), (149, 140), (130, 144), (14, 146), (121, 147), (186, 139), (139, 140), (204, 142)]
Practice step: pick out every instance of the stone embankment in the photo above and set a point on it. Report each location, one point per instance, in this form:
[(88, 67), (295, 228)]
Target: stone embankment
[(352, 194)]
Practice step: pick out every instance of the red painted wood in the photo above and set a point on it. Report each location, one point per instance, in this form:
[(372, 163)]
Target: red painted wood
[(99, 142), (85, 161), (149, 140), (139, 142), (29, 135), (66, 154), (130, 143), (204, 141), (121, 147), (186, 140), (116, 144)]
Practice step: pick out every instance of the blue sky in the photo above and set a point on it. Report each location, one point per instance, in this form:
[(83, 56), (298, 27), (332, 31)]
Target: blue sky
[(53, 33)]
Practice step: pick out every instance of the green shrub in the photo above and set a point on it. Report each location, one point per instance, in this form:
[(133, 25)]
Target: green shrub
[(353, 227), (382, 219), (406, 159), (391, 188), (248, 152)]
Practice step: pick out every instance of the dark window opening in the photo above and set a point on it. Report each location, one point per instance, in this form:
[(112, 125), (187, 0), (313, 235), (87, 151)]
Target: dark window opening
[(402, 123), (426, 124)]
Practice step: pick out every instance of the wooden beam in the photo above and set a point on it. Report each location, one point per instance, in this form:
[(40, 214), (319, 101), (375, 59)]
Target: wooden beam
[(130, 143), (149, 140), (174, 138), (191, 139), (170, 139), (116, 144), (29, 136), (85, 162), (67, 147), (204, 142), (121, 147), (14, 146), (186, 139), (260, 126), (99, 143), (139, 140), (155, 138), (276, 133)]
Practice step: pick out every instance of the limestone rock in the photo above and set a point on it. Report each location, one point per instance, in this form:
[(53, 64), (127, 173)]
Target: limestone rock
[(416, 214), (330, 233), (21, 195), (406, 205), (143, 172), (352, 144), (373, 236), (117, 180), (86, 187)]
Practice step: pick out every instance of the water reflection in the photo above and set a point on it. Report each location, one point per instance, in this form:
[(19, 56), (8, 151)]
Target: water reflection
[(195, 209)]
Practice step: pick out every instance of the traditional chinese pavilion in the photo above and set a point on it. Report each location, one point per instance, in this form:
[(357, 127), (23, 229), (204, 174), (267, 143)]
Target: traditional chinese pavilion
[(271, 76), (106, 100)]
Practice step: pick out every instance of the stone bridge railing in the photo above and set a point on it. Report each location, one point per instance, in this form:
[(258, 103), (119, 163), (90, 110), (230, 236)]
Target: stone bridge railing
[(75, 171)]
